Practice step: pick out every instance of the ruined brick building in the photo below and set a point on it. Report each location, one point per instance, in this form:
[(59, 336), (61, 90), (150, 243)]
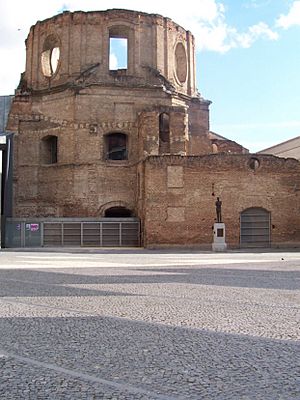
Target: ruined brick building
[(124, 156)]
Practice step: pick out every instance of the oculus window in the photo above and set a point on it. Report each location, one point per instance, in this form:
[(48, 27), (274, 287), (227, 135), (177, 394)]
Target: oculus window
[(50, 56), (181, 63)]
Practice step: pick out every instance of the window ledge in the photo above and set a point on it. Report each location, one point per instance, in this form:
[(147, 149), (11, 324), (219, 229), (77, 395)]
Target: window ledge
[(116, 163)]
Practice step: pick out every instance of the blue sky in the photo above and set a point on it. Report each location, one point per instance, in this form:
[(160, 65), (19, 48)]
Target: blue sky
[(248, 58), (255, 90)]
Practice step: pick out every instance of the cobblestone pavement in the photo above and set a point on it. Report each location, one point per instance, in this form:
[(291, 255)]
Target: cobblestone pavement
[(149, 325)]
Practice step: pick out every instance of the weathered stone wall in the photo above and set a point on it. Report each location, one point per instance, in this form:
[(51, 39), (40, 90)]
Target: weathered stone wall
[(180, 195), (227, 146), (81, 101), (167, 183), (83, 38)]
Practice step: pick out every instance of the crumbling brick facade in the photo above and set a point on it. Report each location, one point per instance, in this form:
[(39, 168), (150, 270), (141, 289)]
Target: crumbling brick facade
[(180, 194), (89, 137)]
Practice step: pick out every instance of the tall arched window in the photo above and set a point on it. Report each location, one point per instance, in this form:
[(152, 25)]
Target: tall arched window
[(164, 133), (49, 150), (116, 146)]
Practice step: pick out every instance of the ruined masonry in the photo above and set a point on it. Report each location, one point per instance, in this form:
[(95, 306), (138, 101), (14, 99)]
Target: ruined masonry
[(110, 155)]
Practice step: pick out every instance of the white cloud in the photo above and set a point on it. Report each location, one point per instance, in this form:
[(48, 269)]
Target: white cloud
[(256, 3), (113, 61), (221, 37), (254, 33), (292, 18)]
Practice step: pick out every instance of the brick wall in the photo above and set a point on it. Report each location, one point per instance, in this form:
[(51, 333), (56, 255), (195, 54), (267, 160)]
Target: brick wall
[(180, 195), (170, 186)]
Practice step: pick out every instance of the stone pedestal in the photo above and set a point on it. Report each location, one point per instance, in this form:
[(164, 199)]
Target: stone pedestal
[(219, 243)]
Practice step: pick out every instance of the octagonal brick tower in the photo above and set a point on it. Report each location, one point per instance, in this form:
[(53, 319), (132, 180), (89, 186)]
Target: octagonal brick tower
[(82, 126), (154, 44)]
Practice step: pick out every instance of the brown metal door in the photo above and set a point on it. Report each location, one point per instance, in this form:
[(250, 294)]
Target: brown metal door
[(255, 228)]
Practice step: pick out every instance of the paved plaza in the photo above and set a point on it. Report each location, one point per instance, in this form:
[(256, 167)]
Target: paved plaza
[(137, 324)]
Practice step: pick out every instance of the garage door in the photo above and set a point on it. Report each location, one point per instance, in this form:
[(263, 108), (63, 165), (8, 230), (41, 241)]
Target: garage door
[(255, 228)]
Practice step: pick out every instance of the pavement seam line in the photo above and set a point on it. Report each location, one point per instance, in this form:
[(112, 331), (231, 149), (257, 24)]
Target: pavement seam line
[(87, 377)]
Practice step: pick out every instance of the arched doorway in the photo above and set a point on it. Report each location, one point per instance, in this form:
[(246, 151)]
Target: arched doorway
[(118, 212), (119, 225), (255, 227)]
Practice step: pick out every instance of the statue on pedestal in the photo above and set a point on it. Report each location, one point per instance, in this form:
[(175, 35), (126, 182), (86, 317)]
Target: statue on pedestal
[(219, 209)]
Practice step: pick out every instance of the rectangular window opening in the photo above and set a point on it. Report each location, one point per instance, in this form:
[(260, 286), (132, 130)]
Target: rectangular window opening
[(118, 53), (53, 151)]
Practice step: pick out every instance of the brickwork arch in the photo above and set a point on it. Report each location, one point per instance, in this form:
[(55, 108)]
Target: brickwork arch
[(112, 204)]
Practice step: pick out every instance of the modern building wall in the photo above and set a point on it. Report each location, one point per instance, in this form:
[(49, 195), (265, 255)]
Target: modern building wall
[(290, 148), (5, 158), (5, 103)]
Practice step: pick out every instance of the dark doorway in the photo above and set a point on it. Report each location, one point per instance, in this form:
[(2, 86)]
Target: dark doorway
[(118, 212)]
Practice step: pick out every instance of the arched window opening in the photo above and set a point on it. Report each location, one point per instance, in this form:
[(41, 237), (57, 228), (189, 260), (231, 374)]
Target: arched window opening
[(118, 48), (164, 133), (49, 150), (116, 146), (50, 56), (118, 212)]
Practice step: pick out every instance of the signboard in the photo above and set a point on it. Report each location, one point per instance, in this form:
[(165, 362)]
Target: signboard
[(32, 227)]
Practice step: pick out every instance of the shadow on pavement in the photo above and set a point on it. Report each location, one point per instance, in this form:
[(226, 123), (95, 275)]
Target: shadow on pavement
[(178, 362), (25, 282)]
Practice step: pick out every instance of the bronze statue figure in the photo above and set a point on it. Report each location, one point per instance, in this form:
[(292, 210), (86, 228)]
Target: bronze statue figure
[(219, 209)]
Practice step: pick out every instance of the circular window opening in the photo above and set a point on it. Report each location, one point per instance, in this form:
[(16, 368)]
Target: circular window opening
[(253, 163), (50, 56), (181, 63)]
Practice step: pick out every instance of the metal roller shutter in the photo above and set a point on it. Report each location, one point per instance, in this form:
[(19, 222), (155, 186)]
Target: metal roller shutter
[(109, 233), (255, 228)]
